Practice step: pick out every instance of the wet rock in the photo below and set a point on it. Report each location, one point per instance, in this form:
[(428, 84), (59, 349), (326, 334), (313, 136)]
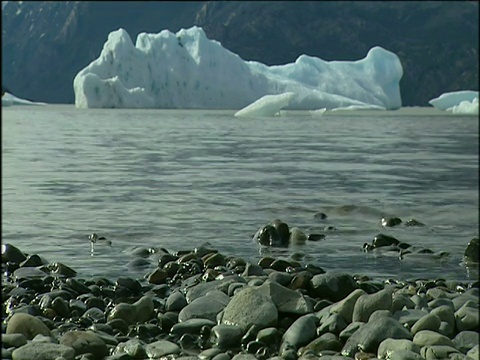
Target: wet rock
[(248, 307), (253, 270), (302, 331), (13, 340), (95, 315), (367, 304), (389, 346), (134, 348), (26, 324), (270, 336), (161, 348), (12, 254), (315, 237), (350, 330), (368, 337), (320, 216), (205, 307), (220, 284), (85, 342), (138, 312), (28, 273), (345, 307), (32, 261), (332, 286), (157, 276), (268, 236), (60, 306), (472, 252), (391, 221), (384, 240), (334, 324), (327, 341), (175, 302), (62, 269), (191, 326), (225, 336), (43, 351), (286, 300), (297, 236), (413, 223)]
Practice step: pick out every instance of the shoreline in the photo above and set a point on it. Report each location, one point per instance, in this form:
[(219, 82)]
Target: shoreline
[(200, 303)]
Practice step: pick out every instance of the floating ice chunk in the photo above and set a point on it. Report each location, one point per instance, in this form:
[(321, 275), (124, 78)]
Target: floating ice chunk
[(268, 105), (188, 70), (451, 99), (318, 112), (9, 100), (465, 107), (359, 107)]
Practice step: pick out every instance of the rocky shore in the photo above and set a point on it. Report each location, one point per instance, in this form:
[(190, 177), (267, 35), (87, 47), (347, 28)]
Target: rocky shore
[(201, 304)]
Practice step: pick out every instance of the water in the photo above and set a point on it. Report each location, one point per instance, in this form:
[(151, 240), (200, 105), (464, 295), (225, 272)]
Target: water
[(177, 179)]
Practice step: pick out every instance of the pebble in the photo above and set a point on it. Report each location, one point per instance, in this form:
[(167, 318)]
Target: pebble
[(210, 306), (43, 351)]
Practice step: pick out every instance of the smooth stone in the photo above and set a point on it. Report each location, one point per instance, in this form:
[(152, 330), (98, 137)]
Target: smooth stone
[(27, 273), (94, 314), (437, 352), (420, 301), (286, 300), (250, 306), (350, 330), (297, 236), (367, 304), (135, 348), (334, 324), (410, 316), (191, 326), (327, 341), (85, 342), (446, 329), (464, 341), (161, 348), (253, 270), (388, 346), (384, 240), (474, 353), (60, 306), (205, 307), (26, 324), (44, 339), (225, 336), (12, 254), (176, 301), (439, 302), (368, 337), (445, 314), (345, 307), (400, 301), (43, 351), (430, 338), (241, 356), (281, 278), (213, 260), (404, 355), (13, 340), (427, 322), (332, 286), (470, 295), (157, 276), (466, 318), (138, 312), (221, 356), (220, 284), (209, 353), (377, 314), (270, 336), (302, 331)]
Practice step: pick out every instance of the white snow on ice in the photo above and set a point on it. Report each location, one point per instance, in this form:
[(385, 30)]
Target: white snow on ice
[(187, 70)]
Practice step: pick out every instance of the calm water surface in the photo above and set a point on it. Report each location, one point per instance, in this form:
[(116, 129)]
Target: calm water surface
[(178, 179)]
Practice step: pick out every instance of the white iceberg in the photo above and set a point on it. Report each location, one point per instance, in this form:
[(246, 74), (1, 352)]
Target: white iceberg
[(450, 99), (359, 107), (9, 100), (268, 105), (187, 70)]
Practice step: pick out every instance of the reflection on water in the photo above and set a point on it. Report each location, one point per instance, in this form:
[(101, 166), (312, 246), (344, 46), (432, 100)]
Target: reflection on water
[(177, 179)]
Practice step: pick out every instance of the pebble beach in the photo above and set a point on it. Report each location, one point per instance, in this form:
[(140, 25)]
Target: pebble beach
[(202, 304)]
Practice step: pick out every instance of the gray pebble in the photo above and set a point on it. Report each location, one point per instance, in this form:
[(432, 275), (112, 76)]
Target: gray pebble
[(302, 331)]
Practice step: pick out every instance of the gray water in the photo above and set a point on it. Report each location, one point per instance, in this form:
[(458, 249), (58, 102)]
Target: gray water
[(178, 179)]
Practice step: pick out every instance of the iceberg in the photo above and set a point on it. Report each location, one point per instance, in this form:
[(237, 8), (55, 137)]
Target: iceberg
[(9, 100), (451, 99), (268, 105), (466, 107), (187, 70)]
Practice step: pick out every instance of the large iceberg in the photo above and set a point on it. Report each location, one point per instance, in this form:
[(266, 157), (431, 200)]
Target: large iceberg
[(187, 70)]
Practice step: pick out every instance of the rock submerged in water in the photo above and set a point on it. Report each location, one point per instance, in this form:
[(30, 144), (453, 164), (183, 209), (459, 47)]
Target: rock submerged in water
[(273, 309), (278, 234), (472, 252)]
